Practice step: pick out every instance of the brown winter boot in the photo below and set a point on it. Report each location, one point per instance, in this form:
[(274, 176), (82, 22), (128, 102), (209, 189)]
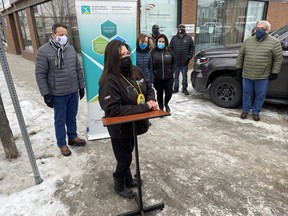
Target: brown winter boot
[(65, 151), (77, 142)]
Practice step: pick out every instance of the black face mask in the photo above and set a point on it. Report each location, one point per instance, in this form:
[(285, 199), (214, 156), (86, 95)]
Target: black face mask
[(181, 31), (126, 64)]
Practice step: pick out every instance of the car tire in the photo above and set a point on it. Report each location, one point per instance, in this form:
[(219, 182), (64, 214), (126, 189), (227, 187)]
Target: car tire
[(226, 91)]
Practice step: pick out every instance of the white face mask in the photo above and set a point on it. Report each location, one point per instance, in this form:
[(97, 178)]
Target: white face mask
[(61, 39)]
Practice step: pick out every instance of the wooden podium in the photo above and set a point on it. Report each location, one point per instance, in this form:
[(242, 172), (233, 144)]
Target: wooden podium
[(133, 119)]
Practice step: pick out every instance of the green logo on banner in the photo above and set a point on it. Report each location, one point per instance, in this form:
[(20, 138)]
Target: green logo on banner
[(99, 45), (85, 10)]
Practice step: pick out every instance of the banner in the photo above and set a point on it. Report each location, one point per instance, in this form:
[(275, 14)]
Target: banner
[(99, 22)]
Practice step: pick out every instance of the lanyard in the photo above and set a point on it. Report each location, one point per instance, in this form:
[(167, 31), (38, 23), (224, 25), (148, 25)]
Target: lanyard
[(141, 97), (132, 84)]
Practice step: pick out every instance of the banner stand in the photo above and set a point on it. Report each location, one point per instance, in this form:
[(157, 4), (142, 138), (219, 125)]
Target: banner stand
[(99, 22)]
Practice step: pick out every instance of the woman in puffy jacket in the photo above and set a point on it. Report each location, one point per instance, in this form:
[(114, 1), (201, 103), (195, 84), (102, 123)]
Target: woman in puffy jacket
[(163, 60), (143, 57)]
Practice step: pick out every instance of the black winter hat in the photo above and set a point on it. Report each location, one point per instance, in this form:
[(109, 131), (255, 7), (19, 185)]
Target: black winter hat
[(155, 27)]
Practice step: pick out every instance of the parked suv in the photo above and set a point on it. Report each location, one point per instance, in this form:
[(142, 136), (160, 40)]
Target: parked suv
[(215, 71)]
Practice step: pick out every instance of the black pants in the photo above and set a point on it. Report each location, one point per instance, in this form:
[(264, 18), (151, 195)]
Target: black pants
[(122, 148), (162, 86)]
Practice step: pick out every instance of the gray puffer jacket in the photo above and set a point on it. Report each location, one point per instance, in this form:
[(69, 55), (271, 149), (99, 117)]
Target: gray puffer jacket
[(58, 81)]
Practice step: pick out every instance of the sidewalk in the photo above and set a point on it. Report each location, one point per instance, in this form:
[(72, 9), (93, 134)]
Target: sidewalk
[(22, 70), (202, 160)]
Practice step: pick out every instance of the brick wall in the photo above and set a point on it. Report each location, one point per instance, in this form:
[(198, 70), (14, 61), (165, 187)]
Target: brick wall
[(277, 14), (189, 13)]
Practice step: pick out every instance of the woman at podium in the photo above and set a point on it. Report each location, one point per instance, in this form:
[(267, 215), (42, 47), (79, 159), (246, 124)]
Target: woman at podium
[(124, 91)]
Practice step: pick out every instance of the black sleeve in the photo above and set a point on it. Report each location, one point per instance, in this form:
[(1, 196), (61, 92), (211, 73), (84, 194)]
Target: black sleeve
[(150, 93), (191, 49), (173, 66)]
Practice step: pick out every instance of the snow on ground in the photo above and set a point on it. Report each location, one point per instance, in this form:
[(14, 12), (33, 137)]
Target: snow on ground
[(197, 134)]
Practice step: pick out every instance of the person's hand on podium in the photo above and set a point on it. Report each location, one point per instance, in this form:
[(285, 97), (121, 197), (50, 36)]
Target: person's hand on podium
[(153, 105)]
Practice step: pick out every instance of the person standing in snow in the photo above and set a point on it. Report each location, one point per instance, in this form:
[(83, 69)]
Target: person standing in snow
[(154, 35), (182, 45), (163, 60), (143, 57), (123, 91), (259, 60), (60, 80)]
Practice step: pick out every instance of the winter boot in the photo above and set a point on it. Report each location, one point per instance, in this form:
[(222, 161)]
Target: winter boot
[(120, 187), (130, 181), (167, 108)]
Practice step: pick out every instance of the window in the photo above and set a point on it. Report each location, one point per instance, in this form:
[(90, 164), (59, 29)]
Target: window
[(226, 22), (160, 12), (25, 30), (57, 11)]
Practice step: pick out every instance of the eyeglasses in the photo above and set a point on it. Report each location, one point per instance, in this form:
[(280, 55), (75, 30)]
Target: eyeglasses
[(181, 27), (260, 28)]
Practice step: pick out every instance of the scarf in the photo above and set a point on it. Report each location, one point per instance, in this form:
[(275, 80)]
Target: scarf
[(60, 52)]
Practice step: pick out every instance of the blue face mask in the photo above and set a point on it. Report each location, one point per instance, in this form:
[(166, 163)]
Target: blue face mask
[(160, 45), (260, 33), (143, 45)]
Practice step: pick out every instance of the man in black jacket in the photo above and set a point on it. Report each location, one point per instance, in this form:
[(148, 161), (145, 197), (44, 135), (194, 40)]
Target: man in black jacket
[(183, 46)]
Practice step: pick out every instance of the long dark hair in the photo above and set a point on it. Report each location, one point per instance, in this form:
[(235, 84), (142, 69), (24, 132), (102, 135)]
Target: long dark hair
[(112, 60)]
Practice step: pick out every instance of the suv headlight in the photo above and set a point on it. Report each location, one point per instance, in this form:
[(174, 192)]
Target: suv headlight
[(202, 60)]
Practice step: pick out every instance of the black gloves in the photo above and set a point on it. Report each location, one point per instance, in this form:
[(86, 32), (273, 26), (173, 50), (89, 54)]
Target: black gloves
[(273, 76), (239, 73), (48, 100), (81, 93)]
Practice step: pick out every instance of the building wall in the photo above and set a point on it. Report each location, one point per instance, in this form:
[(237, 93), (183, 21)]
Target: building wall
[(189, 13), (277, 14), (10, 31)]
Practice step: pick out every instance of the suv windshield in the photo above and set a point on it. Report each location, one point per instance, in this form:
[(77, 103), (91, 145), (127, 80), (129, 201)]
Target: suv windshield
[(279, 32)]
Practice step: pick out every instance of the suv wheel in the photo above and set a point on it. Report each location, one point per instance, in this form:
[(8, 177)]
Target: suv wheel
[(226, 91)]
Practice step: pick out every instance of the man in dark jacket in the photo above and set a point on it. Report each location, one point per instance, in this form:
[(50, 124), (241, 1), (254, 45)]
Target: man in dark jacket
[(154, 35), (183, 47), (59, 77)]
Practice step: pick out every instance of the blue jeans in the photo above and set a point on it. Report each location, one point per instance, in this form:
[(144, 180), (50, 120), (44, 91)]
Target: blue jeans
[(260, 88), (65, 112), (184, 70)]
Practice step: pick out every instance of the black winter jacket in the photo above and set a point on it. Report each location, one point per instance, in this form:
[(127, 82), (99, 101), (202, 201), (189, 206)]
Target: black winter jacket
[(163, 63), (119, 98), (183, 48)]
